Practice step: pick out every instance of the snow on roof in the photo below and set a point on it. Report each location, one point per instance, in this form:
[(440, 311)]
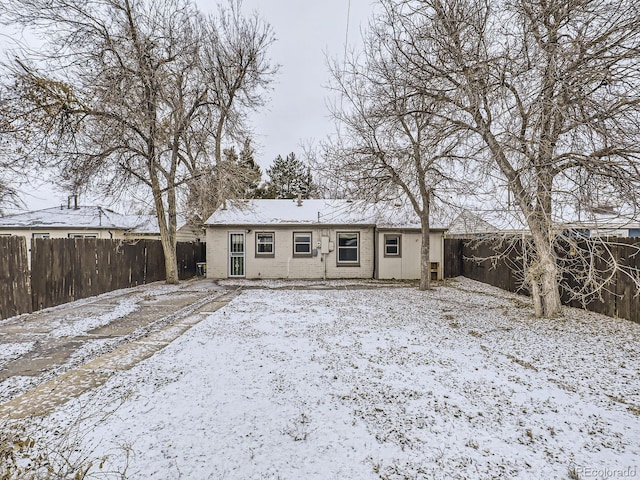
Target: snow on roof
[(585, 217), (93, 217), (315, 211), (149, 224), (564, 217), (63, 217), (468, 222)]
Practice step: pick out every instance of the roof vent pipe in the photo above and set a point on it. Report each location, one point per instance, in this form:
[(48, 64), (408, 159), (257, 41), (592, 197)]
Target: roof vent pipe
[(299, 199), (75, 202)]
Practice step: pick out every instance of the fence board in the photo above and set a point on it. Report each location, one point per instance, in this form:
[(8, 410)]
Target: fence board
[(14, 277)]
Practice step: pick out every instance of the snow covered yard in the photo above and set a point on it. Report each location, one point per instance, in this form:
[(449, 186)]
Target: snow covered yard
[(364, 383)]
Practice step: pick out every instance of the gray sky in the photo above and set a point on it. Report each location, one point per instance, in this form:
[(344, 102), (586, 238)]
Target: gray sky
[(306, 32), (297, 112)]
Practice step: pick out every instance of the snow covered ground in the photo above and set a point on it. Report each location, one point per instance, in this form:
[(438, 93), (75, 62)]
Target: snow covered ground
[(366, 383)]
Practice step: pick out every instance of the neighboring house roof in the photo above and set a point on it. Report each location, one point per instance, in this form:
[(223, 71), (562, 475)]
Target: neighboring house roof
[(148, 224), (82, 217), (597, 219), (511, 221), (315, 212), (470, 223)]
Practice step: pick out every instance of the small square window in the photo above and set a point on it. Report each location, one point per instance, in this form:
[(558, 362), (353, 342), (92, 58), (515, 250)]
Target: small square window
[(392, 245), (302, 244), (265, 244)]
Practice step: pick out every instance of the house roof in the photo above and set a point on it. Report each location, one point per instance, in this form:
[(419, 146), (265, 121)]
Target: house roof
[(468, 223), (82, 217), (148, 224), (62, 217), (565, 216), (315, 212)]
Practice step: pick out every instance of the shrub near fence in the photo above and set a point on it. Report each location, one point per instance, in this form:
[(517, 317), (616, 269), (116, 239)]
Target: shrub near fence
[(14, 277)]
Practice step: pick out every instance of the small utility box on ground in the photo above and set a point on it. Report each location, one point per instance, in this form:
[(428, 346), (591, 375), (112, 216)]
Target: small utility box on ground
[(201, 269)]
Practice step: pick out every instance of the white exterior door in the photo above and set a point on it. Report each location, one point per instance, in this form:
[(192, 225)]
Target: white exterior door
[(236, 254)]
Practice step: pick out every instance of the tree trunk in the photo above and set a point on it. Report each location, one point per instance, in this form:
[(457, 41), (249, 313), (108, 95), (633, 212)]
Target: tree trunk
[(550, 288), (543, 278), (425, 263), (167, 233), (170, 261)]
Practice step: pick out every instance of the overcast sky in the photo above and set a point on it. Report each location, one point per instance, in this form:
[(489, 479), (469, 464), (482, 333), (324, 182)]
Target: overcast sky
[(306, 32)]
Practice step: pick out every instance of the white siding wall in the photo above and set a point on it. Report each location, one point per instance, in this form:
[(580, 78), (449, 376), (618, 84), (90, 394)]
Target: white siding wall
[(407, 266), (283, 264)]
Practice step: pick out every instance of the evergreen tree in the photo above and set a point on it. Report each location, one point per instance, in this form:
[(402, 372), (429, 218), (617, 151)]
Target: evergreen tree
[(242, 174), (251, 173), (288, 177)]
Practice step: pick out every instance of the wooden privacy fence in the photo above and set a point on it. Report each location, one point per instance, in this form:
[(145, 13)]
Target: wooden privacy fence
[(619, 297), (66, 269), (452, 257), (501, 266), (15, 295)]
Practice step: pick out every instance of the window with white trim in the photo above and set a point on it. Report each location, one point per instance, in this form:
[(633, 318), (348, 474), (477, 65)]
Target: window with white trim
[(301, 244), (348, 248), (40, 235), (392, 245), (83, 235), (265, 244)]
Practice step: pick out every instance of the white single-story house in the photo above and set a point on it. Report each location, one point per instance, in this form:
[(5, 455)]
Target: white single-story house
[(315, 239)]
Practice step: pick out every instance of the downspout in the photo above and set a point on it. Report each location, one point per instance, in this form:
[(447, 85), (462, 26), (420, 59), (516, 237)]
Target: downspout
[(324, 258), (375, 252)]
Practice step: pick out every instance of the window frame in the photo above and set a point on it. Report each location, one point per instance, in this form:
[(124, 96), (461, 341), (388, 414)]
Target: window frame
[(296, 243), (82, 235), (270, 254), (399, 245), (39, 235), (348, 263)]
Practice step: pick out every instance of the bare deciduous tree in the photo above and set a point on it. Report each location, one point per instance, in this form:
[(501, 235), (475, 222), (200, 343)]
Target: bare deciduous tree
[(237, 71), (392, 141), (13, 171), (550, 88), (124, 91)]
